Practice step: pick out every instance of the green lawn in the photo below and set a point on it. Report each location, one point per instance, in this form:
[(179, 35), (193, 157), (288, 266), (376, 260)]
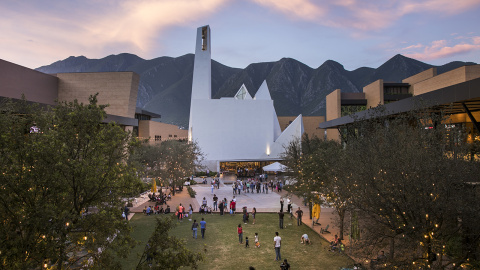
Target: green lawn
[(223, 250)]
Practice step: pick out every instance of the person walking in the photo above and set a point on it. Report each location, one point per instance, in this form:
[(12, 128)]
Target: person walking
[(277, 240), (281, 204), (254, 213), (244, 214), (215, 202), (180, 212), (194, 228), (213, 187), (240, 233), (289, 207), (299, 213), (221, 206), (203, 227), (190, 211), (232, 207), (280, 219), (126, 210)]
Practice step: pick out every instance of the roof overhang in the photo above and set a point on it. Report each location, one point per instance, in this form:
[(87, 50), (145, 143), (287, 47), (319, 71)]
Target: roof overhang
[(449, 99), (123, 121)]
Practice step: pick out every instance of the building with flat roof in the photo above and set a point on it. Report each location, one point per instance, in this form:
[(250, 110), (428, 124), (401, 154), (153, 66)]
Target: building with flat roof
[(117, 89), (456, 93)]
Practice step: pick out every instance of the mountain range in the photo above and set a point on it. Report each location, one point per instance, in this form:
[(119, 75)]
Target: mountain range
[(166, 82)]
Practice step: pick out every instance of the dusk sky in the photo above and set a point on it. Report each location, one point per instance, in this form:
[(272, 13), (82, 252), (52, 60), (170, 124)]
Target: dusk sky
[(354, 33)]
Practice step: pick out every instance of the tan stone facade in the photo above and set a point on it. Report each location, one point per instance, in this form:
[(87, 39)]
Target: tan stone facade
[(16, 81), (422, 76), (310, 124), (456, 76), (117, 89), (374, 94), (418, 84), (157, 132), (334, 111)]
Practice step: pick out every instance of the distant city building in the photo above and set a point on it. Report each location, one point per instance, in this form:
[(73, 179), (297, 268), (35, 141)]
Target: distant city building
[(240, 131)]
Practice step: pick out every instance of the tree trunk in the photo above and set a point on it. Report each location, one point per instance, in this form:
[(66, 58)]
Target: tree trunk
[(173, 189), (392, 248), (341, 215), (310, 208)]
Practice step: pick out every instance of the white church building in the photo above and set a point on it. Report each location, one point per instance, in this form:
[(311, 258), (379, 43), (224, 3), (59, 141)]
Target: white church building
[(234, 129)]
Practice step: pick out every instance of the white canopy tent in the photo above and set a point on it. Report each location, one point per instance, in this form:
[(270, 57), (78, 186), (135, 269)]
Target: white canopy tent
[(275, 167)]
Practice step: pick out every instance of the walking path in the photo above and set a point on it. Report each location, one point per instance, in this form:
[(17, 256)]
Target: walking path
[(266, 203)]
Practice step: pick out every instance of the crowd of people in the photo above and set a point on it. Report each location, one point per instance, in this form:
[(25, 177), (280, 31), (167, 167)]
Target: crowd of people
[(160, 198), (253, 185), (256, 185), (155, 210)]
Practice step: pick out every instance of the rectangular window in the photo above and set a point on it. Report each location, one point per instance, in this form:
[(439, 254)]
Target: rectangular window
[(175, 136), (158, 138), (204, 38), (170, 135)]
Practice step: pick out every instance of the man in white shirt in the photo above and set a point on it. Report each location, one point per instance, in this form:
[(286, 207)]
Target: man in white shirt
[(277, 241)]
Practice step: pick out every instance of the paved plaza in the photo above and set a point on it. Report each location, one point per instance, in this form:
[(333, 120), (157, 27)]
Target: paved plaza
[(261, 201)]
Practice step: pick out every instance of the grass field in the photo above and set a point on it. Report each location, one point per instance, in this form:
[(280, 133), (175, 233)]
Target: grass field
[(223, 250)]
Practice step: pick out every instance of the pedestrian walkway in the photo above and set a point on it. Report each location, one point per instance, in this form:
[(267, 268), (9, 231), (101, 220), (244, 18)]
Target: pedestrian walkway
[(266, 203)]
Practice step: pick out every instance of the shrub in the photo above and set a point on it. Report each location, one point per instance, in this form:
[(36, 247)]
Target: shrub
[(191, 192), (210, 174)]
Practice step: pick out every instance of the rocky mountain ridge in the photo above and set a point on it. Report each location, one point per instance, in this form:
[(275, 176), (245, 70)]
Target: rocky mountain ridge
[(165, 82)]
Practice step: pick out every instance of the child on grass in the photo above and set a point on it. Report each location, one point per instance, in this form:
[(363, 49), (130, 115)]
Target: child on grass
[(257, 244), (246, 242)]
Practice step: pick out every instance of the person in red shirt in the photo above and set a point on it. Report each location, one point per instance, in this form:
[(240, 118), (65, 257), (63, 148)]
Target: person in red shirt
[(240, 234), (180, 212), (232, 207)]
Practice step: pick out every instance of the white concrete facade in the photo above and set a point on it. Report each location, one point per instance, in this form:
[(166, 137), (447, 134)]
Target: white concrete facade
[(240, 128)]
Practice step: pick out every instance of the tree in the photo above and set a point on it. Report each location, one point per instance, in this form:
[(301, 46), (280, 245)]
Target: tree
[(414, 184), (62, 183), (318, 165), (172, 161), (167, 252)]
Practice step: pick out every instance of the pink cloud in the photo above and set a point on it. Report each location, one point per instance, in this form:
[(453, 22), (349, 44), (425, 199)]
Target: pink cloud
[(302, 9), (363, 15), (413, 47), (439, 49), (113, 27)]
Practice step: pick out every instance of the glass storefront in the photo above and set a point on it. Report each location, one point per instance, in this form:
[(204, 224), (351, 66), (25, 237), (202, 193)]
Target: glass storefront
[(243, 168)]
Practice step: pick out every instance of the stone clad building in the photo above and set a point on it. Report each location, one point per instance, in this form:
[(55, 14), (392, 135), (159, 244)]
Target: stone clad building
[(117, 89)]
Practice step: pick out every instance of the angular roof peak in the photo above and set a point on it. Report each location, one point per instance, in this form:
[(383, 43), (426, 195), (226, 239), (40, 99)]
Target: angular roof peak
[(243, 93), (263, 93)]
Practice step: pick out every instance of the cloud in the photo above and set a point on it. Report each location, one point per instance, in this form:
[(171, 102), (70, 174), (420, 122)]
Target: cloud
[(439, 49), (139, 22), (92, 26), (413, 47), (300, 9), (364, 15)]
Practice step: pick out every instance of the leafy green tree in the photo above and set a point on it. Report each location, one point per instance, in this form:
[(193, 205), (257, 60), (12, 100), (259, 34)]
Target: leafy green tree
[(167, 252), (318, 166), (62, 183), (172, 161)]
